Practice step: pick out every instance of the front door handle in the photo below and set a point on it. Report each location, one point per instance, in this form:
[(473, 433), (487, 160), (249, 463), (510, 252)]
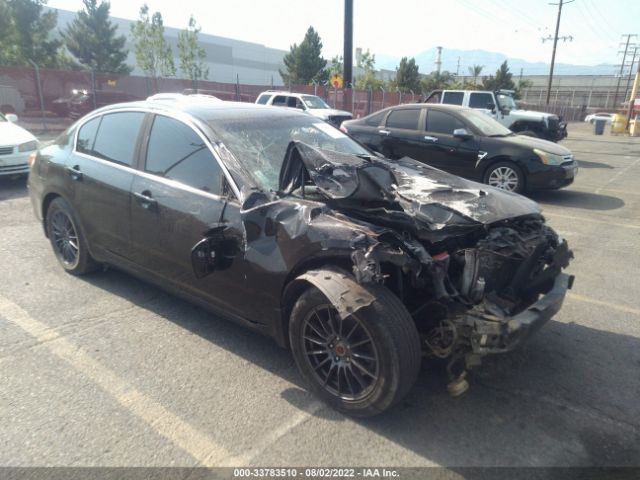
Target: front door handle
[(74, 172), (145, 199), (384, 132), (427, 138)]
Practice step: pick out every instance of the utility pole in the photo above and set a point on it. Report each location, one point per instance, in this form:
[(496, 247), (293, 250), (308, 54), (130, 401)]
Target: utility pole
[(347, 55), (555, 43), (636, 49), (622, 65), (458, 68), (632, 98)]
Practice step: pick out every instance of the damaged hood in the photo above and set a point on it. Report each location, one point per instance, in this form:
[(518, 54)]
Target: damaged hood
[(402, 188)]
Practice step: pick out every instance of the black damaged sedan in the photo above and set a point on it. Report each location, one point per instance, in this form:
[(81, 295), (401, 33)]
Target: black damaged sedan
[(360, 265), (466, 142)]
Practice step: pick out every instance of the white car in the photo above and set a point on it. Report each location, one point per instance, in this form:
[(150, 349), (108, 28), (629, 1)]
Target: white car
[(607, 117), (16, 144), (311, 104)]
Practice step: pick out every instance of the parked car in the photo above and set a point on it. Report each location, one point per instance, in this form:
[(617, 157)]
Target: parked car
[(468, 143), (16, 145), (279, 221), (501, 107), (61, 105), (86, 101), (607, 117), (311, 104)]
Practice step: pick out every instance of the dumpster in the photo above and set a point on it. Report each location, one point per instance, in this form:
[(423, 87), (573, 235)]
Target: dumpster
[(599, 126)]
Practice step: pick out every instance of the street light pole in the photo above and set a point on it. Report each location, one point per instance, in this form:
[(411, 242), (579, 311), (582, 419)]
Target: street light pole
[(348, 55)]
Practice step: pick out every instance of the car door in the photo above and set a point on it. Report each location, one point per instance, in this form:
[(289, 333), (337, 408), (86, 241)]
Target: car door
[(448, 152), (101, 171), (400, 136), (179, 198)]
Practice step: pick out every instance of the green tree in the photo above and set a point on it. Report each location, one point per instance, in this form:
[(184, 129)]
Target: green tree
[(368, 80), (407, 75), (437, 81), (91, 38), (26, 34), (153, 54), (304, 62), (475, 72), (336, 66), (522, 85), (502, 80), (191, 54)]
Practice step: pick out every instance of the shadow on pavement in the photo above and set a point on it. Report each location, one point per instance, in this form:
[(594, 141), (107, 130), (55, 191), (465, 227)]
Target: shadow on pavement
[(553, 402), (588, 164), (13, 187), (576, 199)]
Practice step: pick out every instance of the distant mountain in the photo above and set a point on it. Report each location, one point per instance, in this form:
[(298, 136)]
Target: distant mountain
[(491, 61)]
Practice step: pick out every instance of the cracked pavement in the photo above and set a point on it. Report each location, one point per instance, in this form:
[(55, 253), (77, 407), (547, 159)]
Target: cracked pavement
[(106, 370)]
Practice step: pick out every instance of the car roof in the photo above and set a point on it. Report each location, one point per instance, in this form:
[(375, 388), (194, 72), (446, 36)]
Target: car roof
[(206, 109)]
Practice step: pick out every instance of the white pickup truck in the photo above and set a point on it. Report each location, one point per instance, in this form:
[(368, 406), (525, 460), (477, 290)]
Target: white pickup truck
[(501, 106)]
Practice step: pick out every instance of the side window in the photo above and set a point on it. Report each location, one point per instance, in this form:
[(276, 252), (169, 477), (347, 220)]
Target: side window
[(263, 99), (453, 98), (406, 118), (176, 152), (279, 101), (87, 136), (441, 122), (117, 135), (480, 100), (375, 119)]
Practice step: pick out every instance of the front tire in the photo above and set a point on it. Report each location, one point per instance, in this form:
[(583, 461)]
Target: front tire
[(67, 240), (362, 365), (506, 176)]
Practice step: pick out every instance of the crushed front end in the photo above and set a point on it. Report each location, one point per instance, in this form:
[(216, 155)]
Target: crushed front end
[(477, 268)]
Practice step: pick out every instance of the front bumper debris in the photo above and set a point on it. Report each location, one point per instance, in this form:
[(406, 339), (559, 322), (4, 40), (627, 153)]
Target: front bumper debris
[(494, 334)]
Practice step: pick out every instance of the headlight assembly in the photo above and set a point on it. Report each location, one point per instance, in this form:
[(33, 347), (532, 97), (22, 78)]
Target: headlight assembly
[(28, 146), (549, 158)]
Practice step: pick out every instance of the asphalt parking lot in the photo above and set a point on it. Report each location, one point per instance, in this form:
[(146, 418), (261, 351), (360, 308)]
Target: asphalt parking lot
[(105, 370)]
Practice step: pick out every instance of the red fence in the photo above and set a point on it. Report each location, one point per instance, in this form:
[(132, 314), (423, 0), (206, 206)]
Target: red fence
[(19, 90)]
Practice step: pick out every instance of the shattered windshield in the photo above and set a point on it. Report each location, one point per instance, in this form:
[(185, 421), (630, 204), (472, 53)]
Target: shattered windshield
[(311, 101), (260, 143), (483, 122)]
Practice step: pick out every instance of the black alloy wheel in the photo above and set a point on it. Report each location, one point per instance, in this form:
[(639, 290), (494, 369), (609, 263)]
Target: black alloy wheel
[(362, 364), (67, 239), (341, 353)]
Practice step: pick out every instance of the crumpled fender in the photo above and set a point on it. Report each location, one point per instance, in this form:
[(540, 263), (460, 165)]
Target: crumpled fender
[(342, 290)]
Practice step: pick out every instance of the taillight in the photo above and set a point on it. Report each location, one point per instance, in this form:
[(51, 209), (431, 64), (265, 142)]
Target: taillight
[(32, 159)]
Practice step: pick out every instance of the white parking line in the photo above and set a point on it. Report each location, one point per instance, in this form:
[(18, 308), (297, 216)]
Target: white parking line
[(616, 176), (547, 213), (613, 306), (196, 443)]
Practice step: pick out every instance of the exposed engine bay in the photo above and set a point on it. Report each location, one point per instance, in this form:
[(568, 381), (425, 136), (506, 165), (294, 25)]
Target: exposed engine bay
[(472, 265)]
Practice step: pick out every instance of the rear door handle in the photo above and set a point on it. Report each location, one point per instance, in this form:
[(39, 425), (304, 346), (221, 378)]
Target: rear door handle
[(74, 172), (145, 199), (384, 132), (427, 138)]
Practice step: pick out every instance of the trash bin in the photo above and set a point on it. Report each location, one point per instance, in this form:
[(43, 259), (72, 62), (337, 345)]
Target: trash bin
[(599, 126)]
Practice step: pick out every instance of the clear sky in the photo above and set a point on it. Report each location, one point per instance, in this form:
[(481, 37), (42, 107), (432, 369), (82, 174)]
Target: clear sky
[(407, 27)]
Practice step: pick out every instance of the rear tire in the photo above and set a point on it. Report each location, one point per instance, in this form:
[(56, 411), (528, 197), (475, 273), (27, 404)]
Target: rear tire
[(67, 239), (362, 365)]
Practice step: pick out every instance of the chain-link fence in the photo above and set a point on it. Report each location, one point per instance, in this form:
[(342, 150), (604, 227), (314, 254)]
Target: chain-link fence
[(68, 94)]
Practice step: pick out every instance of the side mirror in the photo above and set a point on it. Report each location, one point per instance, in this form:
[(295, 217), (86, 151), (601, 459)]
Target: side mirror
[(462, 134), (491, 106), (203, 258), (11, 117)]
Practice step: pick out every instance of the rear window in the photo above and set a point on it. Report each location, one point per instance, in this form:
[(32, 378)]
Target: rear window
[(406, 118), (117, 135), (453, 98)]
